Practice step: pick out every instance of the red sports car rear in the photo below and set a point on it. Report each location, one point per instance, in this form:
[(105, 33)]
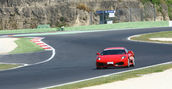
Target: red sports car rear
[(115, 57)]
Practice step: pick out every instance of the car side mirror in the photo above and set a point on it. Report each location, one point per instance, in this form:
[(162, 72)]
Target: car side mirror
[(98, 53)]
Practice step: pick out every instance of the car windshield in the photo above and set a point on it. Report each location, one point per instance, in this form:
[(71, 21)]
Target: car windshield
[(113, 52)]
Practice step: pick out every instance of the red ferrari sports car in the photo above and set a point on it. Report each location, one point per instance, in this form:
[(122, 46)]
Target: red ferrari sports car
[(115, 57)]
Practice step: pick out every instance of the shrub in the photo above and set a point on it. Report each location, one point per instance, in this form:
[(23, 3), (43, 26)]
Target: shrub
[(84, 7), (58, 24), (144, 1), (62, 22), (154, 1), (169, 2)]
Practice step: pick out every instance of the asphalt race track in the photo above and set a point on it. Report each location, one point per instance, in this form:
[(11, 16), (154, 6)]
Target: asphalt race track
[(76, 56)]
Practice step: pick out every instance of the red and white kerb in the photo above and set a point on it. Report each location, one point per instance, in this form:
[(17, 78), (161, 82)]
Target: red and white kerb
[(43, 45)]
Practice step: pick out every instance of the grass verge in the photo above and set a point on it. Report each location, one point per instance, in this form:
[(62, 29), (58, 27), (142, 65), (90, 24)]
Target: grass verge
[(145, 37), (8, 66), (124, 25), (116, 77), (26, 46), (42, 30)]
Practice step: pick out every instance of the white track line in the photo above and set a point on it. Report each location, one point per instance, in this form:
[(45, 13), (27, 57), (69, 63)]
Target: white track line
[(24, 65), (53, 54), (129, 38), (51, 49), (105, 75), (49, 59)]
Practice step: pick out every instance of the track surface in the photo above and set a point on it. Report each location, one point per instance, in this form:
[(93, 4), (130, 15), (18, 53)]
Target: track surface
[(75, 58)]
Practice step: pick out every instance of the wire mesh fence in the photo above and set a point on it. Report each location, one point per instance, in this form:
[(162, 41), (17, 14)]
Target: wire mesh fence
[(135, 14)]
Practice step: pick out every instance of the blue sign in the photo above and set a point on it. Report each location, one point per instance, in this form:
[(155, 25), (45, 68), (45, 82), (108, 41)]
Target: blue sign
[(99, 12), (110, 11)]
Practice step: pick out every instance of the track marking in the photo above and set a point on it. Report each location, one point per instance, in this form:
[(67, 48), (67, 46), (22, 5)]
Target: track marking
[(129, 38), (22, 65), (53, 54), (38, 41), (107, 75), (47, 47)]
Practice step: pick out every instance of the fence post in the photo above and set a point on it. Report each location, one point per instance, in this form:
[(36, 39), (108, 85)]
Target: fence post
[(91, 18), (103, 18), (130, 19), (141, 13), (154, 13)]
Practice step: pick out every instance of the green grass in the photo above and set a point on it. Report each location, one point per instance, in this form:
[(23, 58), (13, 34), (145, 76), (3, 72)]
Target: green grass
[(145, 37), (116, 77), (41, 30), (26, 46), (8, 66), (124, 25)]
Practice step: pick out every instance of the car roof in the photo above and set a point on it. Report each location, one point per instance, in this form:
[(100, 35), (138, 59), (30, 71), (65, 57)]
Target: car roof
[(111, 48)]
